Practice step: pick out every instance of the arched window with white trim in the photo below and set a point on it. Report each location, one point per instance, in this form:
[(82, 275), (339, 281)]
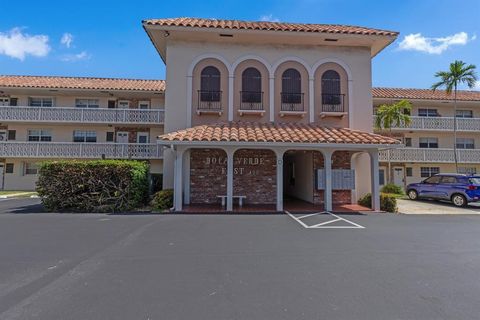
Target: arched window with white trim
[(251, 96), (210, 84), (292, 96), (332, 97)]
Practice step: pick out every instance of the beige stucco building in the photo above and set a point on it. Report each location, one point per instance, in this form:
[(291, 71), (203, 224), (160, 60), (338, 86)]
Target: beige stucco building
[(429, 138)]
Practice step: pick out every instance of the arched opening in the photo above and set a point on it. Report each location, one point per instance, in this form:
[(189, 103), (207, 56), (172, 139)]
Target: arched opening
[(292, 96), (210, 85), (251, 96), (332, 97)]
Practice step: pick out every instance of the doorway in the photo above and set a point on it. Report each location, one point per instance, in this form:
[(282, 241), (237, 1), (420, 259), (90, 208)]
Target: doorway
[(122, 137), (398, 176)]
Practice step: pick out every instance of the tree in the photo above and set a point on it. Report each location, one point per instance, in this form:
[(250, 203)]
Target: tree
[(459, 73), (393, 115)]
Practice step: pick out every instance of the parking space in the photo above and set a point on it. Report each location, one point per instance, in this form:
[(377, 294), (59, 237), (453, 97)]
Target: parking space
[(435, 207), (323, 220)]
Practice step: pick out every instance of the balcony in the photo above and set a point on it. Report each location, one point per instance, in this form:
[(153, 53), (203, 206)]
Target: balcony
[(333, 105), (430, 155), (251, 102), (440, 124), (209, 102), (16, 149), (81, 115), (292, 104)]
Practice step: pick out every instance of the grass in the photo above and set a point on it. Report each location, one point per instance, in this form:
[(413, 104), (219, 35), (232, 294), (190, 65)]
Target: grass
[(17, 192), (397, 196)]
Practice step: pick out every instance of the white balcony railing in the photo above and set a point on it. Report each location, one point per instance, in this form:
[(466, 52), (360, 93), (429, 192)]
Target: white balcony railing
[(441, 123), (430, 155), (81, 115), (15, 149)]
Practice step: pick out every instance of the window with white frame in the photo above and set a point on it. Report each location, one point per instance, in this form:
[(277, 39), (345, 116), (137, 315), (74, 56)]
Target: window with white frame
[(428, 143), (39, 135), (426, 172), (464, 114), (427, 112), (40, 102), (87, 103), (144, 104), (465, 143), (84, 136), (123, 104), (467, 170), (30, 168), (381, 177)]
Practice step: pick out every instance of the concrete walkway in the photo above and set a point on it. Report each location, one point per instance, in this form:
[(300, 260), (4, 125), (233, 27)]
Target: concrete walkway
[(434, 207)]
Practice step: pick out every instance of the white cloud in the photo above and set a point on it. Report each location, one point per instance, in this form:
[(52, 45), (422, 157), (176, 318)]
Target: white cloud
[(269, 18), (18, 45), (67, 39), (417, 42), (76, 57), (477, 85)]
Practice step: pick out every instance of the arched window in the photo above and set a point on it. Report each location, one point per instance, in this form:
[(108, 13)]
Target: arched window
[(331, 89), (291, 86), (251, 86), (210, 84)]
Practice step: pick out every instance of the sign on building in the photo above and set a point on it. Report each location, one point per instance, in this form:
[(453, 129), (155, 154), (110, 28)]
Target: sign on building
[(342, 179)]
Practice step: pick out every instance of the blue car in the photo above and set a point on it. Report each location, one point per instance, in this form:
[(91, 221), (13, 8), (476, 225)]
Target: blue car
[(460, 189)]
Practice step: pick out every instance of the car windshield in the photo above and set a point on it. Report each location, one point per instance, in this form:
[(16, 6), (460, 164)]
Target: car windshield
[(475, 180)]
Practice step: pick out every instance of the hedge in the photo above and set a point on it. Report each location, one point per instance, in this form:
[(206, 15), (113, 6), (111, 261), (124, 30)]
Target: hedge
[(388, 202), (163, 200), (93, 186), (392, 188)]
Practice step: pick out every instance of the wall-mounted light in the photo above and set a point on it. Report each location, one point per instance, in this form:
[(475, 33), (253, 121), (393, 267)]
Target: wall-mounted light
[(166, 34)]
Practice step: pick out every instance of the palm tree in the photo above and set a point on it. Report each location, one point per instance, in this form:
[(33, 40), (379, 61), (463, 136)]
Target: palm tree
[(459, 73), (393, 115)]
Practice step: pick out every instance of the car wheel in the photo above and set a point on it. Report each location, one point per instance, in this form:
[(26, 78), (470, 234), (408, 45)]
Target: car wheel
[(412, 194), (459, 200)]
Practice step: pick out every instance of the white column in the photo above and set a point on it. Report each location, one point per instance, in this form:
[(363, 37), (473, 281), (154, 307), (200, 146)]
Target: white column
[(178, 183), (189, 100), (311, 99), (271, 97), (230, 97), (350, 103), (327, 164), (186, 177), (230, 154), (375, 180), (279, 154)]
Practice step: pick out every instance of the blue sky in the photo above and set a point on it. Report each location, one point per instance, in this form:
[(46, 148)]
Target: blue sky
[(106, 39)]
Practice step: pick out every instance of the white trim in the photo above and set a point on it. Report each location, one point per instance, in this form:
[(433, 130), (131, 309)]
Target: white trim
[(231, 80), (311, 98), (189, 100), (119, 102), (143, 133), (253, 57), (271, 98), (293, 59), (333, 60), (199, 58), (147, 102)]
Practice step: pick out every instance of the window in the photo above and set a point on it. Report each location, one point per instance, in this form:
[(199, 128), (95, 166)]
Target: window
[(428, 143), (9, 168), (381, 177), (464, 113), (408, 142), (465, 143), (331, 88), (123, 104), (110, 137), (12, 134), (427, 112), (39, 135), (87, 103), (142, 137), (210, 84), (251, 85), (448, 180), (467, 170), (13, 101), (30, 168), (84, 136), (144, 104), (40, 102), (409, 171), (426, 172), (291, 86)]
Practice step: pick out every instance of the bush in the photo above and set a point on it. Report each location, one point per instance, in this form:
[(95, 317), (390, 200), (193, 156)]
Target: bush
[(156, 183), (388, 202), (163, 200), (93, 186), (392, 188)]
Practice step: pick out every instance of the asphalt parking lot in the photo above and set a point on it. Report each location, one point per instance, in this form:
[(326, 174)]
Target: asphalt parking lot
[(93, 266)]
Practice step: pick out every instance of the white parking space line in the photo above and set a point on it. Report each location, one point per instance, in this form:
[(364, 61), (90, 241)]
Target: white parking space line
[(325, 224)]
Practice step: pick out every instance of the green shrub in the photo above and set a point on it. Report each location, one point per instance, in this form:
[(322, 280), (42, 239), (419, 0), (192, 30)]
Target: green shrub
[(156, 182), (392, 188), (93, 186), (163, 200), (388, 202)]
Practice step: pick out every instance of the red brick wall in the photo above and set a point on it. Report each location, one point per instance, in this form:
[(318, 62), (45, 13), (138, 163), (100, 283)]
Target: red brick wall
[(254, 175)]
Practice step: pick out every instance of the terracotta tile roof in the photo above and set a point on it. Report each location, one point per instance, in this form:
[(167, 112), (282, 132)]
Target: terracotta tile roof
[(426, 94), (267, 26), (81, 83), (266, 132)]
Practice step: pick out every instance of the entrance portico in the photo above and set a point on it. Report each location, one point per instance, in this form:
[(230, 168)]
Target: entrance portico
[(248, 158)]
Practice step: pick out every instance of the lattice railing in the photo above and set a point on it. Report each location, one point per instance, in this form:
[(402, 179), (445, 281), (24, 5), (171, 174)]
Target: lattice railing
[(15, 149), (430, 155), (441, 123), (84, 115)]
